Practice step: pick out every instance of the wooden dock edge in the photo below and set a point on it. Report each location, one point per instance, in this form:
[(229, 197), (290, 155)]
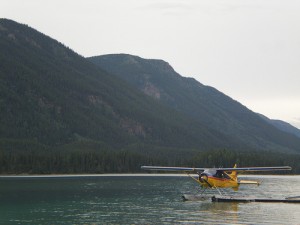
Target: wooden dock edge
[(253, 199)]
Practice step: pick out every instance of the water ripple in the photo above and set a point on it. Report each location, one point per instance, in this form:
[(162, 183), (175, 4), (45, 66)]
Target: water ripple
[(139, 200)]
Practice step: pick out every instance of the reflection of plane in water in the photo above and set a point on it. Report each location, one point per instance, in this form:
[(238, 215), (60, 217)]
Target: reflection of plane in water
[(218, 177)]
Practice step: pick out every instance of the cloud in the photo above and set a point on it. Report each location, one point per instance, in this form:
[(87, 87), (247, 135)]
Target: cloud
[(167, 7)]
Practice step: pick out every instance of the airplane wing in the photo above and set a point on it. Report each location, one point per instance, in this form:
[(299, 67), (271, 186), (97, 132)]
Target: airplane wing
[(256, 168), (164, 168), (191, 169)]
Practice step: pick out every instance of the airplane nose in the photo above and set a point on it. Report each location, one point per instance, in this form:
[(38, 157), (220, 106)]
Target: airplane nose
[(203, 177)]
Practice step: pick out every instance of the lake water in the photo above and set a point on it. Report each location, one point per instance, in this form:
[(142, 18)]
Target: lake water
[(139, 200)]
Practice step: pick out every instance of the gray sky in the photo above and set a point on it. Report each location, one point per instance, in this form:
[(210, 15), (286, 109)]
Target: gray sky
[(248, 49)]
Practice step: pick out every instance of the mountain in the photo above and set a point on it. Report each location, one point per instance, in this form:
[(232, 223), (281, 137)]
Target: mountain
[(281, 125), (61, 113), (55, 98), (205, 104)]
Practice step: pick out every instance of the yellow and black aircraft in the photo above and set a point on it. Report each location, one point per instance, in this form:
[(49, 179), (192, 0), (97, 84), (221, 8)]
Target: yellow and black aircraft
[(218, 177)]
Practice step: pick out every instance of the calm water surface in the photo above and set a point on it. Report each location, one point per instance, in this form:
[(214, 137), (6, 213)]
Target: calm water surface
[(138, 200)]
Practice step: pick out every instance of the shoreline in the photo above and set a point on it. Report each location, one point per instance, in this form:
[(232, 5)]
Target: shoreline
[(126, 175)]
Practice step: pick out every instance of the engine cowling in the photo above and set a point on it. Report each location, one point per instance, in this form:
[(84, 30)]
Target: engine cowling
[(203, 178)]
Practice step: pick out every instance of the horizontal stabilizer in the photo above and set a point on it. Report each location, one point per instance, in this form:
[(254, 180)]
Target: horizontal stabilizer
[(249, 182)]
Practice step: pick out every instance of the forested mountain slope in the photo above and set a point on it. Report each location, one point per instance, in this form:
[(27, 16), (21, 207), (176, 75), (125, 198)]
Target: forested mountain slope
[(205, 104), (52, 96), (60, 113)]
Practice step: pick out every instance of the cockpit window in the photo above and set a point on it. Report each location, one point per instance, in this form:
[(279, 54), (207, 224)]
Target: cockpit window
[(221, 174)]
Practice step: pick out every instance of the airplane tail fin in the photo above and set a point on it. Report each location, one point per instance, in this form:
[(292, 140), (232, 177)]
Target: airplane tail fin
[(233, 176), (234, 173)]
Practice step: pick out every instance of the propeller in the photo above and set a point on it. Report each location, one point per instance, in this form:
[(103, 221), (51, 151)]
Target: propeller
[(203, 178)]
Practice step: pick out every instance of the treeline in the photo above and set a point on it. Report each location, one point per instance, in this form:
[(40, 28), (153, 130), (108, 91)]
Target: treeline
[(57, 162), (32, 162)]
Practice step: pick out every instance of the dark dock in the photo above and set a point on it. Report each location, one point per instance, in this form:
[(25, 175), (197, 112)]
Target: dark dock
[(224, 198), (254, 199)]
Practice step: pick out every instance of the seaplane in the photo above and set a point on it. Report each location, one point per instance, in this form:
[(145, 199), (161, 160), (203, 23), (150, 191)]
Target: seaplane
[(217, 178)]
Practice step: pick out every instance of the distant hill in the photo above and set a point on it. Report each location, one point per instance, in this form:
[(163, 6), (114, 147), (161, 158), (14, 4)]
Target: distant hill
[(205, 104), (281, 125)]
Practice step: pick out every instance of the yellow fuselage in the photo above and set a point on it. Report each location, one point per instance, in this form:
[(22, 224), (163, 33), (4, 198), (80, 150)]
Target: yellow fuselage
[(214, 182)]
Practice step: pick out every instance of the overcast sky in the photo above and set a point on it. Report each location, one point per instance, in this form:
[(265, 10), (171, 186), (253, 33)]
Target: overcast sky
[(248, 49)]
